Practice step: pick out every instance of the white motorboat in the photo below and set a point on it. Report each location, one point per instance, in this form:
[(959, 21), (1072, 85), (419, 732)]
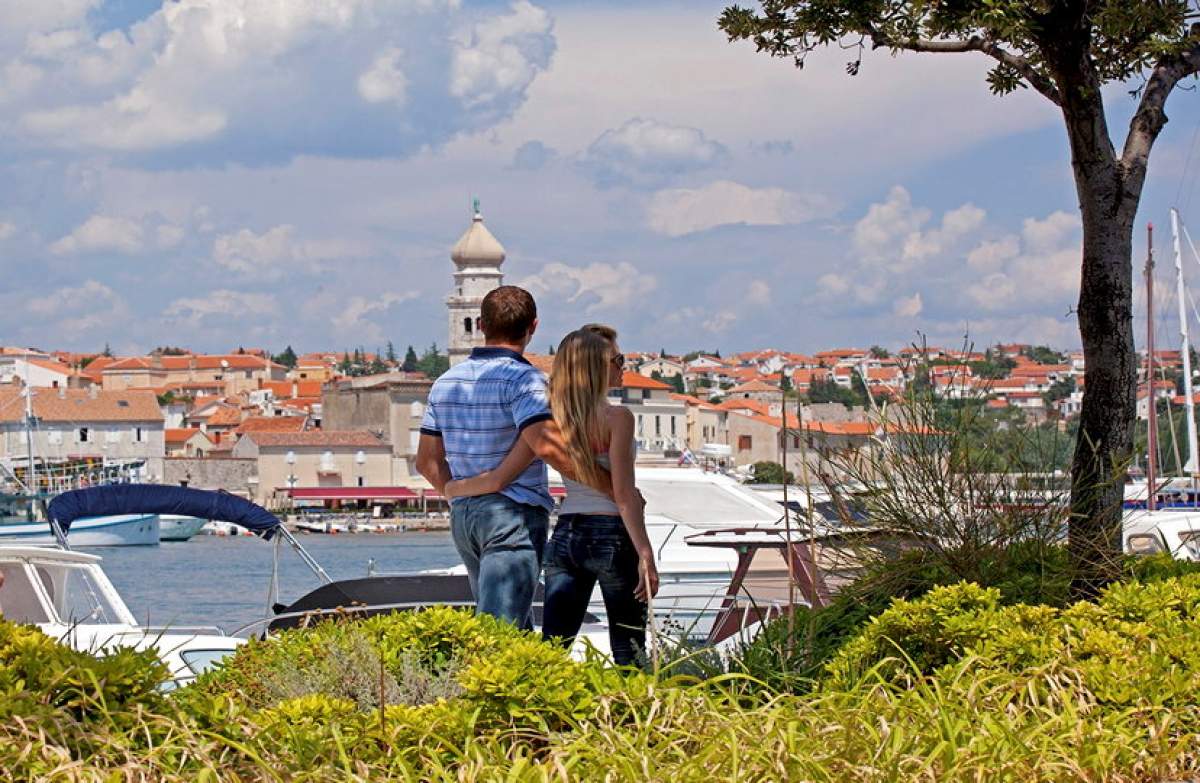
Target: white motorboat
[(113, 530), (70, 598), (177, 527), (1175, 532)]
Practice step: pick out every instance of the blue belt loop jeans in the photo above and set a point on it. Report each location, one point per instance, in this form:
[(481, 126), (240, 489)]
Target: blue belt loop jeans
[(501, 543), (586, 549)]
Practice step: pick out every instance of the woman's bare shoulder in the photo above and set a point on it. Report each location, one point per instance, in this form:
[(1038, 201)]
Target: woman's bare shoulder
[(619, 415)]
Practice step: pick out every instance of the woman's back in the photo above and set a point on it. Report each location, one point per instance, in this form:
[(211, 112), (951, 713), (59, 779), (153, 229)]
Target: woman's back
[(582, 499)]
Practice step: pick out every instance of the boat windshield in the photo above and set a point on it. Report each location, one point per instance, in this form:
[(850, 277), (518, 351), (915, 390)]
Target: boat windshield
[(77, 595), (19, 602)]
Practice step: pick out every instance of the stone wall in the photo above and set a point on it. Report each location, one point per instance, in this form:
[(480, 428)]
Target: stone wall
[(227, 473)]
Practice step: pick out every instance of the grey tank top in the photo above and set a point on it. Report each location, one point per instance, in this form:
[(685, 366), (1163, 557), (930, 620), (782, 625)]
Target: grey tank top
[(582, 499)]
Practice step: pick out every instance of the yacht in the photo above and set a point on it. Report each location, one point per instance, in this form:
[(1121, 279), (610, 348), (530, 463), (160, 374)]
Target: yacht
[(177, 527), (69, 597), (20, 524)]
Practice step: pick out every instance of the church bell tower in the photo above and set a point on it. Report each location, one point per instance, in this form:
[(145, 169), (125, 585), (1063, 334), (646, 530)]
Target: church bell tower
[(477, 257)]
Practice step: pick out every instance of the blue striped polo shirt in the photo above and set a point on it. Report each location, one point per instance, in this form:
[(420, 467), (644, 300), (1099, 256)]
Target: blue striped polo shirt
[(478, 408)]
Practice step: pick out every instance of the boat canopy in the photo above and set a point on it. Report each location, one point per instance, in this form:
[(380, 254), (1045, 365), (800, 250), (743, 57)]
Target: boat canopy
[(112, 499)]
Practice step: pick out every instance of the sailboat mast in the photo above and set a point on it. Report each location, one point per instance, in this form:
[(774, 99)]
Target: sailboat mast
[(32, 485), (1152, 415), (1189, 404)]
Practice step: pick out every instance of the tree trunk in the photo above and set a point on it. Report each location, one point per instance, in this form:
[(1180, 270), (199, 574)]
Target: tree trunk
[(1104, 444), (1108, 200)]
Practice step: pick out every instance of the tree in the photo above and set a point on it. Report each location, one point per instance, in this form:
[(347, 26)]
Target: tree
[(287, 358), (771, 473), (1043, 354), (107, 351), (785, 382), (1066, 50), (433, 363), (410, 360), (391, 353), (879, 352)]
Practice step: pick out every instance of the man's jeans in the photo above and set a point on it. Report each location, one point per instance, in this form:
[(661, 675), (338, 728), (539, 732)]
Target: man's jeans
[(501, 543), (587, 549)]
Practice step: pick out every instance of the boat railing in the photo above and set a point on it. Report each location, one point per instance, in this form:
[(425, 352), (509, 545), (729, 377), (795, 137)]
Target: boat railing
[(182, 630)]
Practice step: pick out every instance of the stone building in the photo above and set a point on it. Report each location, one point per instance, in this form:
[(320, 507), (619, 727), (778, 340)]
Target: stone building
[(390, 406), (477, 258), (315, 458)]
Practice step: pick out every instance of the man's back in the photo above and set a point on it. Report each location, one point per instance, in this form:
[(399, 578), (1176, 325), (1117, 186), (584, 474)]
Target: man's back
[(479, 407)]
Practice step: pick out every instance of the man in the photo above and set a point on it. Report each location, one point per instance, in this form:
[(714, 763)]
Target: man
[(476, 412)]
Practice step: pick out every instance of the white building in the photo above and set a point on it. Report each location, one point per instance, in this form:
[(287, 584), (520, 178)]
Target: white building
[(660, 420), (73, 425), (477, 257), (34, 369)]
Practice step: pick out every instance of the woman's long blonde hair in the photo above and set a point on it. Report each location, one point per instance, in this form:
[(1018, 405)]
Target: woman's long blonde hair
[(578, 395)]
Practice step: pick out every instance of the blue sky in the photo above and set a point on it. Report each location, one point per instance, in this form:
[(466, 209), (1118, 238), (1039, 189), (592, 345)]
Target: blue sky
[(216, 173)]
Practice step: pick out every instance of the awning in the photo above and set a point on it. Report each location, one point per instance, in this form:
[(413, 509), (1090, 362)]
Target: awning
[(555, 492), (351, 493)]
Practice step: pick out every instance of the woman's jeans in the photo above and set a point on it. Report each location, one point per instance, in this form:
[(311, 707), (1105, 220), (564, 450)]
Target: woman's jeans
[(585, 549)]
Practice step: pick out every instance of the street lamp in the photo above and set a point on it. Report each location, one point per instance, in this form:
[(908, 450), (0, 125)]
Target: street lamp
[(360, 459), (290, 459)]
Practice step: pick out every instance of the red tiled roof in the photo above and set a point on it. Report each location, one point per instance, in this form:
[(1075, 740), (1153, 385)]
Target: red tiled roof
[(224, 416), (632, 380), (180, 435), (271, 424), (79, 405)]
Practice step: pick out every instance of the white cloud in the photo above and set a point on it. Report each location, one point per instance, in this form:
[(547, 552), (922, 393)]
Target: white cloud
[(249, 79), (893, 234), (501, 56), (102, 233), (605, 287), (991, 255), (7, 230), (720, 321), (646, 153), (352, 321), (832, 283), (688, 210), (78, 311), (908, 306), (222, 307), (271, 253), (1040, 267), (384, 80), (758, 293)]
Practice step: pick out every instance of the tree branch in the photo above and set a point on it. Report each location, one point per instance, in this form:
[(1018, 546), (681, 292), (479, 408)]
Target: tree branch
[(976, 43), (1149, 119)]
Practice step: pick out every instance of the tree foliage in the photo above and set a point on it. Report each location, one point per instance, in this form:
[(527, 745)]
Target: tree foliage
[(771, 473), (287, 358)]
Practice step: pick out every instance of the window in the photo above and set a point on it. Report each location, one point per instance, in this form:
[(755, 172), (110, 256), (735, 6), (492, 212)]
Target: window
[(478, 325), (360, 481), (137, 435), (19, 602), (77, 596), (658, 425), (1143, 544), (83, 434), (672, 425), (467, 325), (745, 443), (200, 661), (645, 394)]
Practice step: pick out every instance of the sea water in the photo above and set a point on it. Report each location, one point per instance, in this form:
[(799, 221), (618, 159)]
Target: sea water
[(224, 580)]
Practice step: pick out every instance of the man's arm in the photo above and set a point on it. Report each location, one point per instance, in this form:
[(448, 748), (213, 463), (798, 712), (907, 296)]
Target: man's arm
[(546, 441), (431, 462)]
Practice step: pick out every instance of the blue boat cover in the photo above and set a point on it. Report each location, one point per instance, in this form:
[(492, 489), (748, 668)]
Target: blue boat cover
[(109, 499)]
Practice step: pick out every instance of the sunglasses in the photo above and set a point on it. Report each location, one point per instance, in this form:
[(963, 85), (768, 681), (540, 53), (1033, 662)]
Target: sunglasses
[(619, 359)]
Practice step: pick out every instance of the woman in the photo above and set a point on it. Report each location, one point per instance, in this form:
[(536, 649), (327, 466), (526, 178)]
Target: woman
[(597, 538)]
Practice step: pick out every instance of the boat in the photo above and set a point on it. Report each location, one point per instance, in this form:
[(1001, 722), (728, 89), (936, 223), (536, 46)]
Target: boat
[(177, 527), (68, 596), (19, 524)]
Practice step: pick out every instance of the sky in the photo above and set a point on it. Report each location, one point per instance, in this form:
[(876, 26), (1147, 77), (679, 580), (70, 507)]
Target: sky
[(258, 173)]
